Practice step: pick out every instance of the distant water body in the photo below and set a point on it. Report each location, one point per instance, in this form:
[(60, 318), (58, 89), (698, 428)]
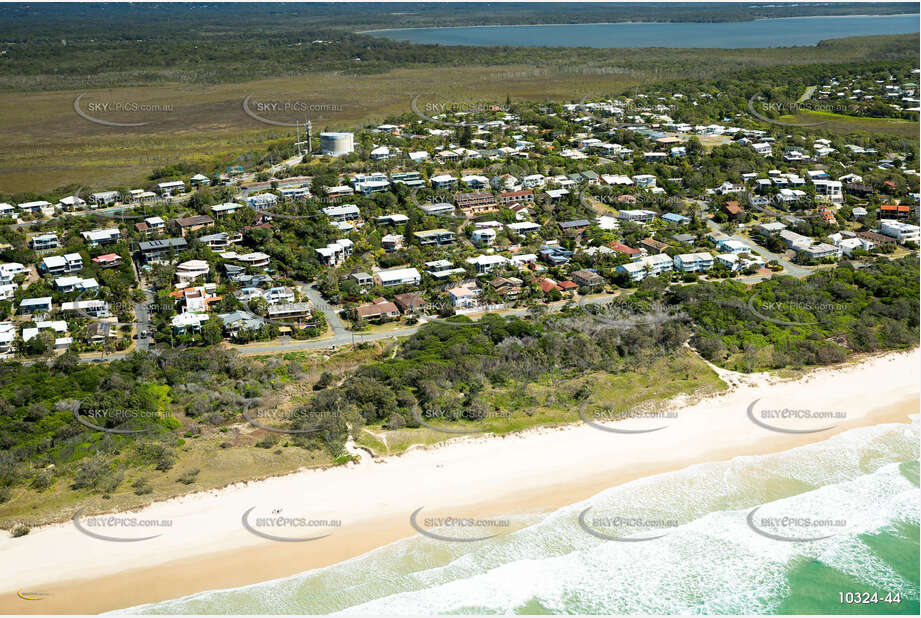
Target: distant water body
[(709, 561), (787, 32)]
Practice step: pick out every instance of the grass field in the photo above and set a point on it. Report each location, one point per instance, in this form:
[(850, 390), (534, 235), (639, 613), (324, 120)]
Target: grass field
[(47, 145), (842, 124), (218, 467)]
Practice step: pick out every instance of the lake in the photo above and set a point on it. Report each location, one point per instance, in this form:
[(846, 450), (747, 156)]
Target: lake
[(784, 32)]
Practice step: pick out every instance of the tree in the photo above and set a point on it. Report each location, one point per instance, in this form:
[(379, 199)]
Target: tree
[(211, 332)]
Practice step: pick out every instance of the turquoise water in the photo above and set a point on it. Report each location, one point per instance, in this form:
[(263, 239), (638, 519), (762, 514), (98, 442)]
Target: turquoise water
[(709, 561), (759, 33)]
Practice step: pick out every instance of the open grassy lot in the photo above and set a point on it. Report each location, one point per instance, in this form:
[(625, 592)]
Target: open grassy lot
[(843, 124), (46, 144), (218, 467)]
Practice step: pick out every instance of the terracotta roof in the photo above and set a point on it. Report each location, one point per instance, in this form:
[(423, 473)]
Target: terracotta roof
[(366, 311), (620, 247)]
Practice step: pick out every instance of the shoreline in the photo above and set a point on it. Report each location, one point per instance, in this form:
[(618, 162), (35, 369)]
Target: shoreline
[(630, 23), (483, 476)]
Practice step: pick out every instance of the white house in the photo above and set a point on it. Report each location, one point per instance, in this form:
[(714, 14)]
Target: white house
[(398, 276), (693, 262), (652, 265), (192, 270), (486, 263), (729, 245), (484, 237), (903, 232)]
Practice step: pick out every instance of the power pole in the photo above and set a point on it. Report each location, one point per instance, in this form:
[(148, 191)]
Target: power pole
[(308, 132)]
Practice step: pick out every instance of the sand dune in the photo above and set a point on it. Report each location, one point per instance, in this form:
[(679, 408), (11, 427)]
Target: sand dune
[(208, 546)]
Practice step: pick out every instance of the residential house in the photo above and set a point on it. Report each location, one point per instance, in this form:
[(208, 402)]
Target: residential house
[(462, 298), (345, 212), (794, 241), (261, 201), (636, 216), (487, 263), (903, 232), (379, 309), (227, 208), (70, 283), (398, 276), (507, 287), (298, 312), (192, 223), (104, 198), (156, 250), (587, 278), (392, 242), (484, 237), (693, 262), (43, 242), (574, 227), (335, 252), (409, 303), (672, 217), (729, 245), (476, 203), (169, 188), (94, 238), (35, 305), (652, 246), (279, 295), (441, 209), (554, 255), (513, 197), (58, 264), (240, 321), (894, 211), (438, 237), (822, 250), (653, 265), (191, 270), (93, 307)]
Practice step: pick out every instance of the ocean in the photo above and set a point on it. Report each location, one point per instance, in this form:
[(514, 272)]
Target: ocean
[(785, 32), (833, 523)]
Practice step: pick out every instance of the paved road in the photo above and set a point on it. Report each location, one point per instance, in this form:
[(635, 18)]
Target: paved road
[(143, 320), (332, 317), (807, 95), (345, 337), (789, 267)]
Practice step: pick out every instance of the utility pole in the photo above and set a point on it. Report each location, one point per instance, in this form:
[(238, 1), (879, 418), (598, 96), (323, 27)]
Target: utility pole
[(308, 132)]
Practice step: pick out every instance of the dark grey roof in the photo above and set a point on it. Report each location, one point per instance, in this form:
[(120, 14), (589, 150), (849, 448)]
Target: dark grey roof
[(166, 243)]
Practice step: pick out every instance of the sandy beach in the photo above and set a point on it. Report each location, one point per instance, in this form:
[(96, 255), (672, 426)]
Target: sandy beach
[(207, 545)]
